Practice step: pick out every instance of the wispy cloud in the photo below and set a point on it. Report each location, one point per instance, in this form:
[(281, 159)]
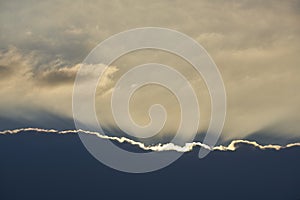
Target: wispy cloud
[(233, 146), (31, 81)]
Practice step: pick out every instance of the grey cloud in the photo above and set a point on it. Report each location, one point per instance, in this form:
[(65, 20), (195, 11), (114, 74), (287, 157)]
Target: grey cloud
[(4, 71), (64, 75)]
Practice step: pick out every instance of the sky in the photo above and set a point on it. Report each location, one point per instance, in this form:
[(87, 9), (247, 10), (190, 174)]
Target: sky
[(255, 45)]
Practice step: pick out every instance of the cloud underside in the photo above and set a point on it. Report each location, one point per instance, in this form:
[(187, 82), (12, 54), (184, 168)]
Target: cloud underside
[(233, 145)]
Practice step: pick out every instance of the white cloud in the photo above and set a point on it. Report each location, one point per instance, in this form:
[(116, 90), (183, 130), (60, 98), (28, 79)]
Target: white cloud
[(187, 147)]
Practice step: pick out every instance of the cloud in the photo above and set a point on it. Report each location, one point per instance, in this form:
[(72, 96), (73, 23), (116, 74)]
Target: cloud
[(255, 45), (30, 82), (4, 71), (233, 146), (58, 76)]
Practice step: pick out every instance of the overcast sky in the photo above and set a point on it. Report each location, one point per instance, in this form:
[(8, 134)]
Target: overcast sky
[(254, 43)]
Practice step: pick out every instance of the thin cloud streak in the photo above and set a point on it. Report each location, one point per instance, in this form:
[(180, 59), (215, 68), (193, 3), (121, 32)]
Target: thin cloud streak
[(233, 146)]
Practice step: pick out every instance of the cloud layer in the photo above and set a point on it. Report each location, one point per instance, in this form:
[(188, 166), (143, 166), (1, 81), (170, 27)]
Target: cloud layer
[(255, 45)]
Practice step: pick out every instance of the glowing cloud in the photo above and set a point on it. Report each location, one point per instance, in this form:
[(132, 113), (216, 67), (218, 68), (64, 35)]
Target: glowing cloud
[(233, 146)]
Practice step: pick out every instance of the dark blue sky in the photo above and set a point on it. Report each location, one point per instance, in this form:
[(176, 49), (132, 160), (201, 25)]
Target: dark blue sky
[(50, 166)]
